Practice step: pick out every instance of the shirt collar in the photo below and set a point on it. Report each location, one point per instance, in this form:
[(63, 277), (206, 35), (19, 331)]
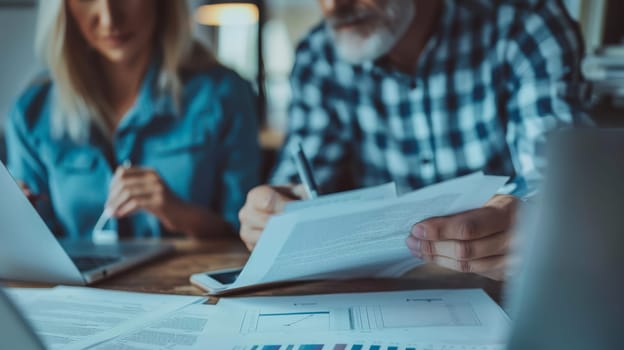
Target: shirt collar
[(152, 102)]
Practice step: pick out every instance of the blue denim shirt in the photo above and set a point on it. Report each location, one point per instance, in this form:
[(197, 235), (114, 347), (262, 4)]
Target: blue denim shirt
[(206, 151)]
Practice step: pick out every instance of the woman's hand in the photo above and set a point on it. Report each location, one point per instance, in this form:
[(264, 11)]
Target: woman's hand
[(135, 188), (32, 197)]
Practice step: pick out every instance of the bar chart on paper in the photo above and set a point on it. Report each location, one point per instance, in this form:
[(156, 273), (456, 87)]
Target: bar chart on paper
[(366, 346)]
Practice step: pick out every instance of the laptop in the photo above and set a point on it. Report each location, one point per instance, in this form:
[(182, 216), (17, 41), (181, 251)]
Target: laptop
[(30, 252), (569, 292), (15, 331)]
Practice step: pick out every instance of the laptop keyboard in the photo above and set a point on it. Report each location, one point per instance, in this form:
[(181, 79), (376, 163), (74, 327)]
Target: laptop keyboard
[(86, 263)]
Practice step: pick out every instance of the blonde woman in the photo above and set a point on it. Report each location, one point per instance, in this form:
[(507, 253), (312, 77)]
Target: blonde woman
[(135, 117)]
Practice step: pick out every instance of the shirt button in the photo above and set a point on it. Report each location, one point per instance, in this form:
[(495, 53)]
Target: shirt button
[(427, 171)]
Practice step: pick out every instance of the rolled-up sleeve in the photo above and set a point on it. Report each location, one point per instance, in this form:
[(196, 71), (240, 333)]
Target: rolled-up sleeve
[(23, 157), (240, 156)]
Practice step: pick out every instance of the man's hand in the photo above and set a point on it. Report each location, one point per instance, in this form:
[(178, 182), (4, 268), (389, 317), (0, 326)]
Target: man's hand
[(135, 188), (263, 202), (474, 241)]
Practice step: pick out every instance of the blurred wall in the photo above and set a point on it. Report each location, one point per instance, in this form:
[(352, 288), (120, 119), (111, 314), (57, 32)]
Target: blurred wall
[(17, 61), (288, 21), (298, 15)]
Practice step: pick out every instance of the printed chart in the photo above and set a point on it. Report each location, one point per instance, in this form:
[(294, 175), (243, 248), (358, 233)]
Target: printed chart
[(410, 313)]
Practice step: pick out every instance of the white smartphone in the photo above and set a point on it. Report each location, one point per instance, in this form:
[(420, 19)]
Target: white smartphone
[(214, 281)]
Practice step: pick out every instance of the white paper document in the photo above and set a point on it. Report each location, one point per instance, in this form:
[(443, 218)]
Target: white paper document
[(439, 316), (406, 320), (76, 317), (356, 238), (23, 296), (193, 327)]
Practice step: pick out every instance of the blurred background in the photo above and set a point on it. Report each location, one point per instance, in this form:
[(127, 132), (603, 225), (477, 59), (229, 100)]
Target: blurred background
[(258, 39)]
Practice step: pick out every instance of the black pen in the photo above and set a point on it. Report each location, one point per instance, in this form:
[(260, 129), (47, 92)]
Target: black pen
[(305, 170)]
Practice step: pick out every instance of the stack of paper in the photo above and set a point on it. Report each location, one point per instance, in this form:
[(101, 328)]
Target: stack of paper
[(357, 234), (86, 318)]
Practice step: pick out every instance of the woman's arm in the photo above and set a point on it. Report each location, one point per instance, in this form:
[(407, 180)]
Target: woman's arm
[(239, 154), (137, 188)]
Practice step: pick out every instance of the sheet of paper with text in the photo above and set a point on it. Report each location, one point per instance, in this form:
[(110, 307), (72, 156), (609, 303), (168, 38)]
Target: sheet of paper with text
[(354, 239)]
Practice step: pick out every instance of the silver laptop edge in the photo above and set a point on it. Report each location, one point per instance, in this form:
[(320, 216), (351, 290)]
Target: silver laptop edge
[(30, 252), (150, 252)]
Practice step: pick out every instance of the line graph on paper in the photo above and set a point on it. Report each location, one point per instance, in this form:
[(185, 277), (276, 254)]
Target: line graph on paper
[(286, 321), (410, 313)]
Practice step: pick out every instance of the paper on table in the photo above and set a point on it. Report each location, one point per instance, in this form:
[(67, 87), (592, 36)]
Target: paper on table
[(365, 240), (183, 329), (455, 318), (459, 316), (23, 296), (385, 191), (75, 317)]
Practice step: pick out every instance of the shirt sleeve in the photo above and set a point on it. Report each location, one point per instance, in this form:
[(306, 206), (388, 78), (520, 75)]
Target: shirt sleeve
[(240, 156), (24, 162), (313, 121), (542, 55)]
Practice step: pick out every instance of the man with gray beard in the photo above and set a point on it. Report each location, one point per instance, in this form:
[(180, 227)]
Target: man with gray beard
[(421, 91)]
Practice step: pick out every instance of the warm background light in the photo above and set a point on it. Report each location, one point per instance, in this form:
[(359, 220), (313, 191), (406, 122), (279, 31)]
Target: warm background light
[(227, 14)]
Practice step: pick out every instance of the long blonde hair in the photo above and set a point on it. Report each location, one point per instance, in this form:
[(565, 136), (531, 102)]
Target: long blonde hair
[(80, 101)]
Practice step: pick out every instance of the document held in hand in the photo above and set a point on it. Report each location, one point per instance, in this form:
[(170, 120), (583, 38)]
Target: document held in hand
[(355, 237)]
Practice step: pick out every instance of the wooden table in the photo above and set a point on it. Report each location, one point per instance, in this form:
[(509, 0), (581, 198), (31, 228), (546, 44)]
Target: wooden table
[(171, 274)]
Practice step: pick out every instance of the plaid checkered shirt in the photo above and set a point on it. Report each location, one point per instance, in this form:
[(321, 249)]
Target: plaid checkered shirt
[(494, 79)]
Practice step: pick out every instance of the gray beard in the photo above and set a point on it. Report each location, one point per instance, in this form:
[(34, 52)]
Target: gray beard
[(355, 48)]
